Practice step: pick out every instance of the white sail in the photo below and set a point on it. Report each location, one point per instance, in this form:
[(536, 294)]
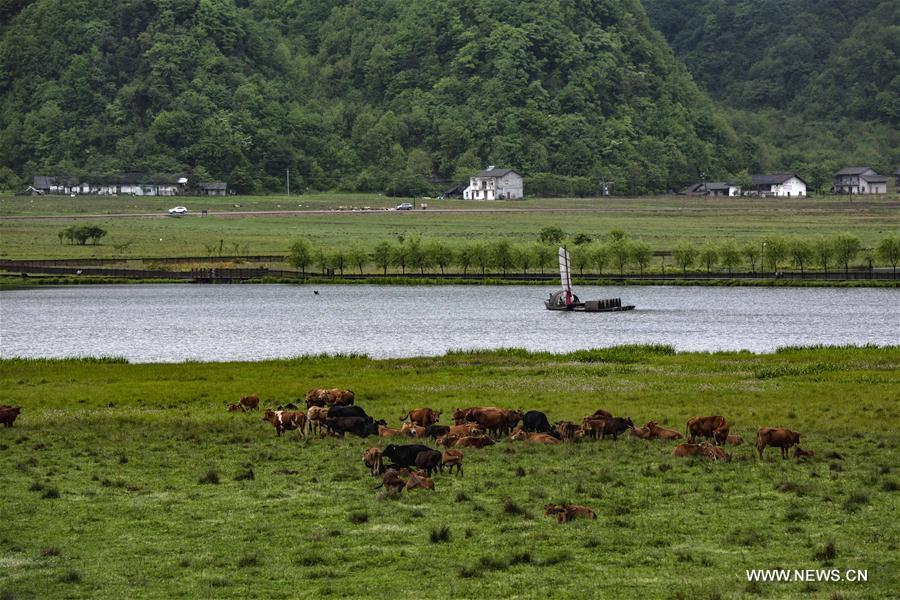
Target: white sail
[(565, 277)]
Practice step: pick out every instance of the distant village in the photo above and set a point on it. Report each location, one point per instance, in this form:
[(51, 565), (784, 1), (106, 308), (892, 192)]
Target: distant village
[(493, 183)]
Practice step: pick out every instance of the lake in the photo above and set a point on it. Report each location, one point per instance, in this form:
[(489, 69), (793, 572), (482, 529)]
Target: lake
[(173, 323)]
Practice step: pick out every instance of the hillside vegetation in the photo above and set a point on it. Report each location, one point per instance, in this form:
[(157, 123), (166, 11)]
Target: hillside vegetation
[(354, 95)]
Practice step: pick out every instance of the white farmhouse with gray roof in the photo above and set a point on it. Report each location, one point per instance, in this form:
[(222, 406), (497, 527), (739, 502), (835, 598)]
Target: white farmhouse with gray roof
[(495, 184)]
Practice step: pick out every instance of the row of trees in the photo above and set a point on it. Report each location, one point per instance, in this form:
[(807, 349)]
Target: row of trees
[(81, 234), (616, 253)]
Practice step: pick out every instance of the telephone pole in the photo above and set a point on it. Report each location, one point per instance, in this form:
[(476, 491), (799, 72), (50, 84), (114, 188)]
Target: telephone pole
[(288, 181)]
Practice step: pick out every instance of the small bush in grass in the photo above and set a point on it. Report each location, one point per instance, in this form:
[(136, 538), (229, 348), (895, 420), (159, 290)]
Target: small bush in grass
[(50, 493), (890, 486), (511, 508), (211, 476), (358, 517), (855, 500), (37, 486), (469, 533), (461, 497), (248, 560), (754, 588), (746, 536), (309, 560), (555, 559), (520, 472), (123, 459), (795, 513), (245, 475), (439, 534), (71, 577), (520, 558), (826, 553), (684, 556), (51, 551), (184, 563), (592, 543)]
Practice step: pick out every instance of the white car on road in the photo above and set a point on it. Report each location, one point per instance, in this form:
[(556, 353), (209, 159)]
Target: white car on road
[(178, 211)]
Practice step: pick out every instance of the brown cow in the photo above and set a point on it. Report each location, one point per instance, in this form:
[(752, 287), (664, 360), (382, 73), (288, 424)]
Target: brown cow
[(450, 459), (687, 449), (567, 512), (474, 442), (315, 418), (447, 440), (601, 414), (642, 433), (423, 417), (778, 437), (465, 429), (393, 481), (537, 438), (9, 414), (565, 429), (412, 430), (512, 418), (734, 439), (492, 420), (250, 402), (661, 433), (715, 427), (419, 482), (330, 397), (801, 454), (389, 432), (593, 428), (372, 459), (702, 450), (234, 408), (283, 420)]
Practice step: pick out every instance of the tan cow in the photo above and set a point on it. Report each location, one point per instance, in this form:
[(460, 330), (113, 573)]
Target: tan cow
[(234, 408), (565, 429), (465, 429), (389, 431), (419, 482), (715, 427), (423, 417), (642, 433), (474, 442), (315, 418), (778, 437), (661, 433), (452, 458), (372, 459), (536, 438), (412, 430), (568, 512)]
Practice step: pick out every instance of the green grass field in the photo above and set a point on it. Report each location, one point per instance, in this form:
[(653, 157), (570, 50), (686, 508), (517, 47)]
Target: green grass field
[(104, 493), (660, 221)]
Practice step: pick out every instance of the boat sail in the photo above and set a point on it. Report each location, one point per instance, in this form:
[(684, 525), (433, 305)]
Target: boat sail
[(567, 300)]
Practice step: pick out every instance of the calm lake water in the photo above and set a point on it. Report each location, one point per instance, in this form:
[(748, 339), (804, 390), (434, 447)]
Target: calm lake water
[(170, 323)]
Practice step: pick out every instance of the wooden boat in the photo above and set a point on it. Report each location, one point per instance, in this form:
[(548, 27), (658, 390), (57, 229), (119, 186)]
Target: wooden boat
[(566, 300)]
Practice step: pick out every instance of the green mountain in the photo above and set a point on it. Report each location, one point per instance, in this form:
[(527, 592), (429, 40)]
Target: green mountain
[(807, 82), (354, 94)]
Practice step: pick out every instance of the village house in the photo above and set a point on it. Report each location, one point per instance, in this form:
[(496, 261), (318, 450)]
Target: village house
[(495, 184), (780, 184), (128, 184), (212, 188), (54, 185), (897, 179), (712, 188), (859, 180)]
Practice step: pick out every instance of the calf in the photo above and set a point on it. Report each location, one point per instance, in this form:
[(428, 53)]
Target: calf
[(392, 481), (778, 437), (423, 417), (404, 455), (372, 460), (686, 449), (567, 512), (536, 438), (234, 408), (450, 459), (250, 402), (801, 454), (428, 461), (592, 427), (447, 440), (474, 442), (565, 429), (436, 431), (616, 426), (715, 427), (9, 414), (389, 432), (412, 430), (282, 420), (464, 430), (702, 450), (535, 421), (315, 418), (642, 433), (734, 439), (419, 482), (661, 433)]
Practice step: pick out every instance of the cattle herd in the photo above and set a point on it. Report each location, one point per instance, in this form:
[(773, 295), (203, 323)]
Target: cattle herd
[(333, 412)]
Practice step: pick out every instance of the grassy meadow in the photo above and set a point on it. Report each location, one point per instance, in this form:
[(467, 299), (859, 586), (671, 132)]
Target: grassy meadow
[(131, 480), (659, 221)]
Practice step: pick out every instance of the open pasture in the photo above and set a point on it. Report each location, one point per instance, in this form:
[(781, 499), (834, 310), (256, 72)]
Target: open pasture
[(659, 221), (131, 480)]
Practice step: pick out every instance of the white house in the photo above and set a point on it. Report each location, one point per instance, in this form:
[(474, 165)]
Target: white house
[(495, 184), (859, 180), (712, 188), (780, 184)]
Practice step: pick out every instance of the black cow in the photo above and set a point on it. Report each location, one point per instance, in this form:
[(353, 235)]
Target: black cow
[(535, 421), (361, 426), (429, 461), (436, 431), (338, 412), (404, 455), (615, 426)]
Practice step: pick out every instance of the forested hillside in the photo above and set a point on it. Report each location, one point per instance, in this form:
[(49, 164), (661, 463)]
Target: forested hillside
[(354, 95), (810, 82)]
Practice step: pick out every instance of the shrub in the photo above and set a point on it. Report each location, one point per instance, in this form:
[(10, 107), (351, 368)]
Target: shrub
[(358, 517), (511, 508), (50, 493), (826, 553), (71, 577), (51, 551), (248, 560), (440, 534), (244, 475), (211, 476)]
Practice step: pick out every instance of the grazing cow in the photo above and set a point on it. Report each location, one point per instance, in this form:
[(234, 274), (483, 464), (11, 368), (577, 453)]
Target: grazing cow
[(322, 397), (601, 414), (419, 482), (535, 421), (337, 411), (404, 455), (9, 414), (283, 419), (778, 437), (642, 433), (465, 429), (428, 461), (565, 429), (392, 481), (250, 402), (535, 438), (734, 439), (372, 460), (234, 408), (423, 417), (461, 415), (436, 431), (492, 420), (474, 442), (661, 433), (361, 426), (315, 418), (715, 427), (450, 459), (389, 432), (616, 426), (801, 454), (567, 512)]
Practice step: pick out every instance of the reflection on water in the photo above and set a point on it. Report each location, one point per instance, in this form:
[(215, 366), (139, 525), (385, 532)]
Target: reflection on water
[(170, 323)]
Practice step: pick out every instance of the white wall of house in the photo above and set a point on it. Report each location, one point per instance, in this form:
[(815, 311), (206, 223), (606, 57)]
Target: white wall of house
[(509, 186), (866, 187), (791, 187)]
